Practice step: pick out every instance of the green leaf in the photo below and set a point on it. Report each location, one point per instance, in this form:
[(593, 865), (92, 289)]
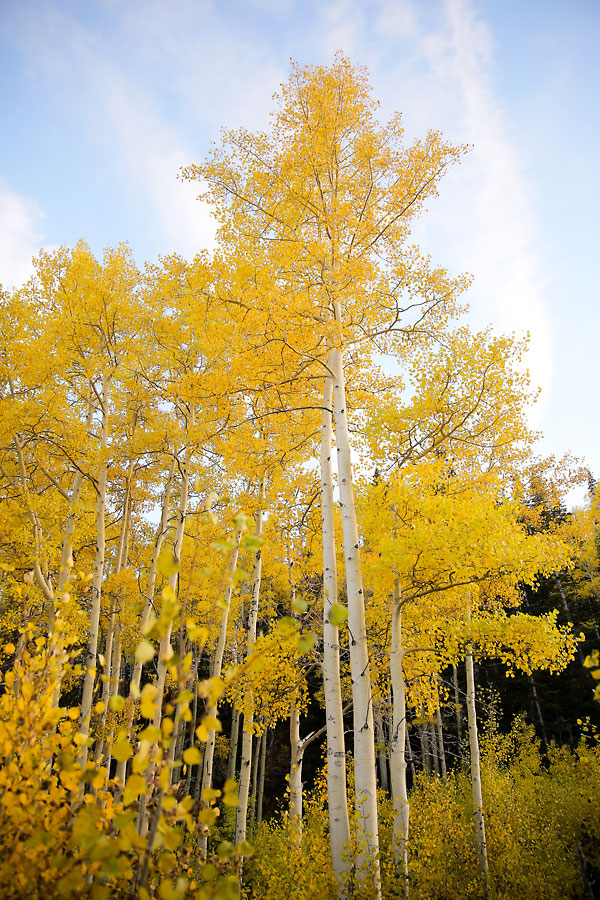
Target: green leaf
[(252, 542), (223, 544), (338, 613), (300, 605), (307, 641)]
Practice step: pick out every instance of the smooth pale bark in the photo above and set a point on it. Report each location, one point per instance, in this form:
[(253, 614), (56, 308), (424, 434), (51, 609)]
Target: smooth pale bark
[(440, 740), (457, 704), (433, 747), (482, 860), (425, 755), (233, 744), (150, 587), (92, 648), (337, 800), (365, 780), (398, 747), (297, 754), (241, 813)]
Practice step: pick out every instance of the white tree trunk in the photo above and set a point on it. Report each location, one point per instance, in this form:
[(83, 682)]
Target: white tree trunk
[(337, 801), (241, 813), (92, 649), (365, 780), (457, 704), (440, 741), (233, 744), (297, 754), (482, 860), (398, 746)]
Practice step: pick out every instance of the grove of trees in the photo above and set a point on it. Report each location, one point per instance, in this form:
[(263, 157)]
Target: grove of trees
[(289, 606)]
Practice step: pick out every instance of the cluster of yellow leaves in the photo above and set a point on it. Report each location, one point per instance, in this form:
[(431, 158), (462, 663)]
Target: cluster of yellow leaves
[(68, 830), (270, 681)]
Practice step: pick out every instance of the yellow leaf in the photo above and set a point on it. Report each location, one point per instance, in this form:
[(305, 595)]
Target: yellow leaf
[(192, 756), (122, 750), (134, 786), (167, 563), (144, 652)]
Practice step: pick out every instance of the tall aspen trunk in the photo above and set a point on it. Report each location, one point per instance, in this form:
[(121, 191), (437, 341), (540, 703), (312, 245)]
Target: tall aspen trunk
[(440, 740), (425, 755), (337, 800), (457, 703), (241, 813), (439, 730), (398, 747), (365, 780), (150, 588), (297, 755), (433, 747), (92, 648), (482, 860), (233, 744)]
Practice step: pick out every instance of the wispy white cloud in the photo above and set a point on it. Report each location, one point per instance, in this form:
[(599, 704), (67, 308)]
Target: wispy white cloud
[(138, 137), (501, 243), (21, 235)]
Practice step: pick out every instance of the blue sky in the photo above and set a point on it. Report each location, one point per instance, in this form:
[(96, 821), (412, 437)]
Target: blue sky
[(103, 101)]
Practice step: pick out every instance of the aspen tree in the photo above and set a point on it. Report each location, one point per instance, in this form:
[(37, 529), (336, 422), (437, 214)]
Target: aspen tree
[(325, 205), (478, 814), (339, 826), (398, 746)]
